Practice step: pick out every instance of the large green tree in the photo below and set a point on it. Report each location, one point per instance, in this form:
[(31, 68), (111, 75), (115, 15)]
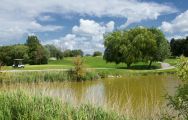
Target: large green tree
[(138, 44), (37, 53), (179, 46), (9, 53), (163, 46)]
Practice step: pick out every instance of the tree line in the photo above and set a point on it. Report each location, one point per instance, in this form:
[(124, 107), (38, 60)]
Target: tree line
[(135, 45), (179, 46), (31, 52), (34, 53)]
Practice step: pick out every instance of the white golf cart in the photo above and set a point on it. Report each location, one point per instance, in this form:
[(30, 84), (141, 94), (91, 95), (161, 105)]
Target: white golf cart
[(18, 63)]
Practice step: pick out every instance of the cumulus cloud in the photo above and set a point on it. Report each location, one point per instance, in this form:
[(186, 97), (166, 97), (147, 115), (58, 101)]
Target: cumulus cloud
[(88, 36), (19, 16), (178, 27), (179, 24)]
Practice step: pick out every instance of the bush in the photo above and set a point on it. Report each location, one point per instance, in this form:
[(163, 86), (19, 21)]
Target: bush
[(179, 102), (182, 69)]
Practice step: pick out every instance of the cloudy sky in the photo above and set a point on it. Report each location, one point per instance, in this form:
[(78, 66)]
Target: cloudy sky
[(80, 24)]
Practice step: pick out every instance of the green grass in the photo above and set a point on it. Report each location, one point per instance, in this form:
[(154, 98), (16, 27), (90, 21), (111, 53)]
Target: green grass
[(60, 76), (43, 76), (99, 62), (172, 61), (124, 72), (90, 62), (21, 106), (38, 67)]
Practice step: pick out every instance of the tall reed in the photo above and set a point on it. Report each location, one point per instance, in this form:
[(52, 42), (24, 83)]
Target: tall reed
[(20, 106)]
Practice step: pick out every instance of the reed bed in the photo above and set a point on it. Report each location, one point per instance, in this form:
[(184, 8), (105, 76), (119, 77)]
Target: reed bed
[(82, 108), (20, 106), (42, 76)]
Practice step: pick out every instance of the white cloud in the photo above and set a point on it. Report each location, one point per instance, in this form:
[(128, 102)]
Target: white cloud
[(19, 16), (179, 24), (110, 26), (88, 28), (177, 28), (45, 18), (88, 36)]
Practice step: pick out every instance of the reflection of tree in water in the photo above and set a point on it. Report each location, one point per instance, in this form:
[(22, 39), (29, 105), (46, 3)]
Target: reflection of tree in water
[(119, 93), (135, 91), (74, 92)]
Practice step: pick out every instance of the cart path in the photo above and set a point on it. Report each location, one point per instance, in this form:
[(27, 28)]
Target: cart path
[(165, 66)]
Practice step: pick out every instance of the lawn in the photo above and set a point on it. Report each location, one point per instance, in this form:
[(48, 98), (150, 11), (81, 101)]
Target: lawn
[(172, 61), (38, 67), (99, 62), (91, 62)]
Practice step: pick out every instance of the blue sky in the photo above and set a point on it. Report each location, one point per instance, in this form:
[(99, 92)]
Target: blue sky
[(80, 24)]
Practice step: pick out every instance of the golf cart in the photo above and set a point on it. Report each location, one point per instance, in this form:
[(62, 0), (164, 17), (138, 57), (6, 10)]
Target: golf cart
[(18, 63)]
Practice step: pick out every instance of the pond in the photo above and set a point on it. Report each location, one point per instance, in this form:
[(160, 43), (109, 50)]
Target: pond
[(128, 93)]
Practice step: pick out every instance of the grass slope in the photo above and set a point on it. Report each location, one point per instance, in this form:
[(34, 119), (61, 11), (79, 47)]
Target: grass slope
[(99, 62)]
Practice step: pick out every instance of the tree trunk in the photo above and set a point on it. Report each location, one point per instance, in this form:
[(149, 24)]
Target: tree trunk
[(150, 63)]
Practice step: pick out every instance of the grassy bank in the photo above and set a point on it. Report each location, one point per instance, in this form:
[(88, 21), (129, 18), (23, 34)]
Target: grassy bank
[(61, 76), (40, 76), (20, 106)]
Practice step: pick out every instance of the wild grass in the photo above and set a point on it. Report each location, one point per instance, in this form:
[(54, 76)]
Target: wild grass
[(61, 76), (43, 76), (20, 106), (28, 104)]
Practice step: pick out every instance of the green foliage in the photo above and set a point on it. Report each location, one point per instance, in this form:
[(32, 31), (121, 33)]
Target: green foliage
[(179, 102), (9, 53), (73, 53), (79, 71), (163, 47), (179, 47), (138, 44), (37, 53), (183, 68), (54, 52), (21, 106), (34, 77), (97, 53)]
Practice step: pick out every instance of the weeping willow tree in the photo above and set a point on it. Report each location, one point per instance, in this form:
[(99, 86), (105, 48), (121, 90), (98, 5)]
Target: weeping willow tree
[(134, 45)]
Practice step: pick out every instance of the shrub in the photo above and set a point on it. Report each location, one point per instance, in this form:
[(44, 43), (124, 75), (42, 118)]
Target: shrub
[(79, 71), (179, 102), (182, 69)]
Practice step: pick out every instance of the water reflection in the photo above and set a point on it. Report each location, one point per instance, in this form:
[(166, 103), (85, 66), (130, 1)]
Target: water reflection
[(131, 91)]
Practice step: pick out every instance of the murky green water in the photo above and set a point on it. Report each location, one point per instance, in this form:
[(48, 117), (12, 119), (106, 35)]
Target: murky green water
[(120, 93)]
